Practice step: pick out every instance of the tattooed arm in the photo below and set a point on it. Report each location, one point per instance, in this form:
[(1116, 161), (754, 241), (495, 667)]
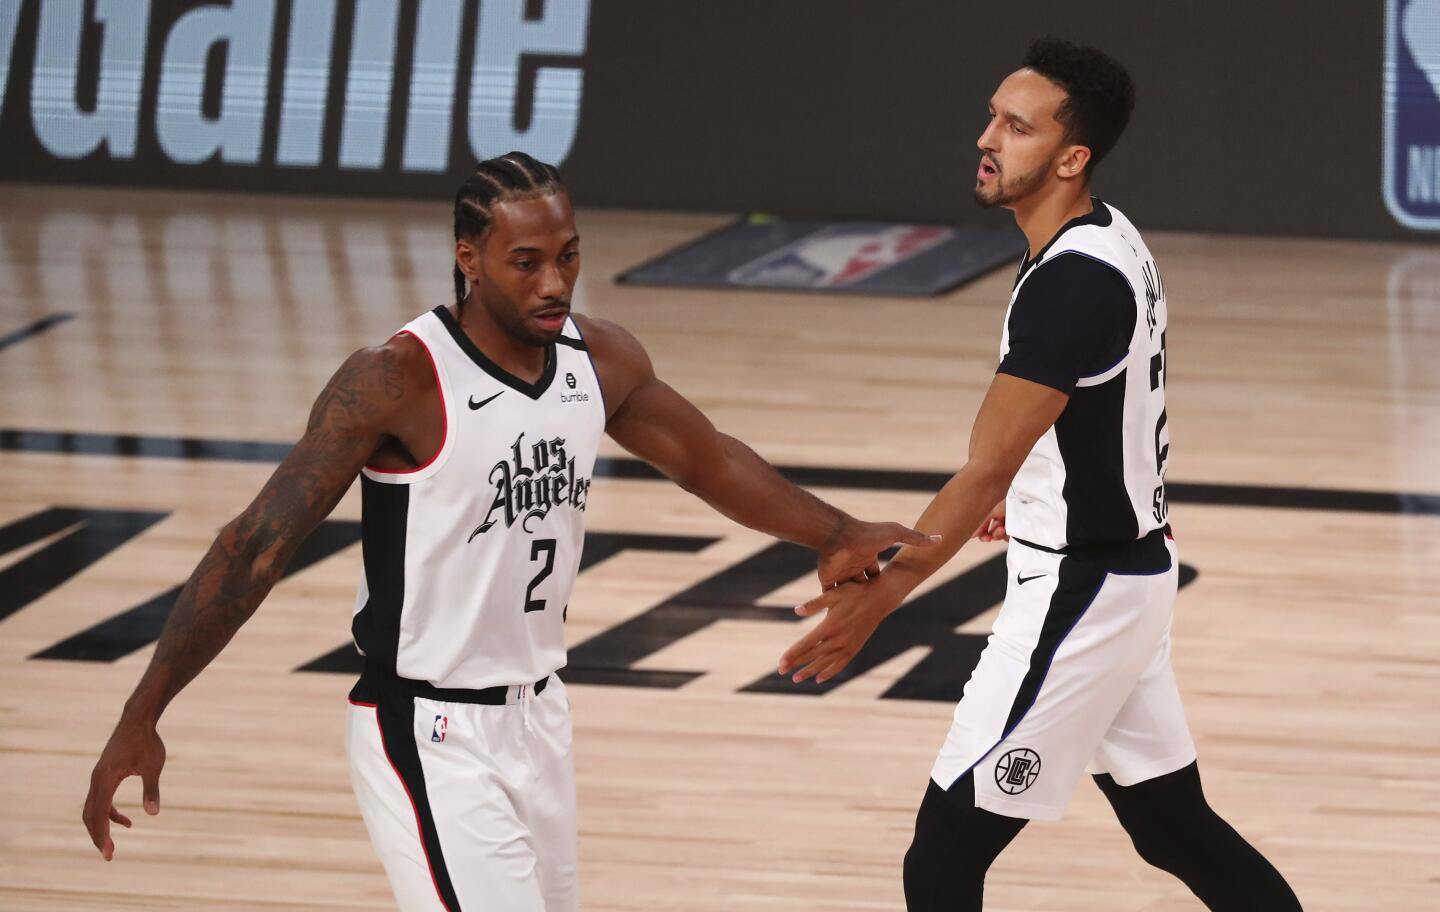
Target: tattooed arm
[(357, 414)]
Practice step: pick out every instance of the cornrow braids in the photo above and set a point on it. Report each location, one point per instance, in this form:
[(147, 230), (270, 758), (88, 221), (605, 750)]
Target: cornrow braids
[(512, 176)]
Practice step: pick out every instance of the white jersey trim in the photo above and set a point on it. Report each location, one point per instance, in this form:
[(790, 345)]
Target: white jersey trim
[(594, 368), (1108, 373)]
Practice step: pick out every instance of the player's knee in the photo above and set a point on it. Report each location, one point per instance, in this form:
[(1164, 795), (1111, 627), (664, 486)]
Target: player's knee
[(921, 863), (1162, 816), (939, 858), (1157, 844), (1157, 849), (939, 874), (941, 841), (953, 847)]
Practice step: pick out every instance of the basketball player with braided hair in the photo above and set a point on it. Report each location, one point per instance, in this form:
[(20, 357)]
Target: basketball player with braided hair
[(474, 432)]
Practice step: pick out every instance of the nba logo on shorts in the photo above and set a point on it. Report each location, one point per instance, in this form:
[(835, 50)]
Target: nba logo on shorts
[(1017, 770), (1411, 142), (437, 733)]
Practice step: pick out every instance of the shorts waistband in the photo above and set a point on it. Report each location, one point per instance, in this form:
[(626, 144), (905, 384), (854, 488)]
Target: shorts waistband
[(376, 681), (1111, 553)]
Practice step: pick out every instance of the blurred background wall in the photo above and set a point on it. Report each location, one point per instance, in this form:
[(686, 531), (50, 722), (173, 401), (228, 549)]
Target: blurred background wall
[(1257, 117)]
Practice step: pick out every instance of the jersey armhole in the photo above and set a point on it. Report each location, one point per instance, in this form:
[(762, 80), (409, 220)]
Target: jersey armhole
[(1118, 365), (437, 459), (1109, 373), (589, 356)]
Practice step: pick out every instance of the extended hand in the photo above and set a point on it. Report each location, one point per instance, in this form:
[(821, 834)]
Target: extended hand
[(993, 528), (133, 750), (856, 554), (853, 611)]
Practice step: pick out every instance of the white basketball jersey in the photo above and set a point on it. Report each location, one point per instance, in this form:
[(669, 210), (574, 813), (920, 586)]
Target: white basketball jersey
[(469, 560), (1097, 476)]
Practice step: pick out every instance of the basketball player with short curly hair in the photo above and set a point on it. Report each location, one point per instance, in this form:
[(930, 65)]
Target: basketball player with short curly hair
[(1067, 461)]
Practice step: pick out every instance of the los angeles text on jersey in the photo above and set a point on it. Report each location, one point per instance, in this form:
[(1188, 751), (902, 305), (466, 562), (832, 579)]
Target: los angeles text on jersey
[(533, 481)]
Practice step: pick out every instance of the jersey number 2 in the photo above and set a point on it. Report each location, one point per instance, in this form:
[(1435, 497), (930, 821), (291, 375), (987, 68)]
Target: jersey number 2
[(539, 545)]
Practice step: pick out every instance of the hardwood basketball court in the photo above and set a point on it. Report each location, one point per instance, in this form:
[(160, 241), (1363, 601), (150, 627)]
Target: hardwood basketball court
[(1304, 402)]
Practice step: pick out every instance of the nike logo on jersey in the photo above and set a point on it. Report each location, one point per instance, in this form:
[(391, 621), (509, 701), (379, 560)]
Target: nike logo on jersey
[(1022, 580), (475, 405)]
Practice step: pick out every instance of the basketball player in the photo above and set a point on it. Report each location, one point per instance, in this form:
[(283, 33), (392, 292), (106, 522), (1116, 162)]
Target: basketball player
[(1067, 462), (474, 432)]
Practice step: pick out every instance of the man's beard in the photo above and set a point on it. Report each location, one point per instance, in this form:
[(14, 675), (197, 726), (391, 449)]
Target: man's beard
[(512, 320), (522, 330), (1007, 194)]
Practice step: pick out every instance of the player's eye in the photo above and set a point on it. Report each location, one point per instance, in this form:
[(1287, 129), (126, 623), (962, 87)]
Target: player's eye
[(524, 264)]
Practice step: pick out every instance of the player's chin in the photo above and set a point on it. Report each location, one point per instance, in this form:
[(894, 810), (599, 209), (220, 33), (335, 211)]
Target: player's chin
[(992, 194)]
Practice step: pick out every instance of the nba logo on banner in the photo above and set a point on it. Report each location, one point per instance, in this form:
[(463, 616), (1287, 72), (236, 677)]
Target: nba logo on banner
[(437, 733), (1412, 112)]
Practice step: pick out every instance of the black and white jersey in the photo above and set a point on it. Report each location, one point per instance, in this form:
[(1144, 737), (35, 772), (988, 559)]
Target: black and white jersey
[(1087, 317), (470, 559)]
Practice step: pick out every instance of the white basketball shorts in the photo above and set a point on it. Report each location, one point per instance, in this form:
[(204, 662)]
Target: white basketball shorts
[(1076, 677), (470, 806)]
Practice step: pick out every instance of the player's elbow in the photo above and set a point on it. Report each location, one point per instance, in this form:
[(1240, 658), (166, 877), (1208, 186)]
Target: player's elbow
[(266, 569), (692, 476), (250, 553), (707, 465), (991, 477)]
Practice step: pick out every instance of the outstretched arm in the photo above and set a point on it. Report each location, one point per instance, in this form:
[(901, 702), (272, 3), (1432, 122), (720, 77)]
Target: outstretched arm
[(1012, 418), (662, 427), (250, 554)]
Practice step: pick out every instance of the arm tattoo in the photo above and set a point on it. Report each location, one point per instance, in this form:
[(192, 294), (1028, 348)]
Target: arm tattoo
[(357, 393), (251, 553)]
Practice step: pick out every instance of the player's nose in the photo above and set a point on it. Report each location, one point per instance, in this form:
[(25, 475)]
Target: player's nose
[(986, 140), (552, 284)]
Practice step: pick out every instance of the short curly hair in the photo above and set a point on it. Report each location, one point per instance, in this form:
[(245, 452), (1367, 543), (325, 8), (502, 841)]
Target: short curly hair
[(1099, 94)]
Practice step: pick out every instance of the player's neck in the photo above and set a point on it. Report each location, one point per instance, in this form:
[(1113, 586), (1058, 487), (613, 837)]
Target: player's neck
[(1042, 216), (510, 354)]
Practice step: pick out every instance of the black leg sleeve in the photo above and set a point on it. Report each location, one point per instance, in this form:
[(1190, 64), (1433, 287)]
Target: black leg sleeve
[(954, 844), (1174, 829)]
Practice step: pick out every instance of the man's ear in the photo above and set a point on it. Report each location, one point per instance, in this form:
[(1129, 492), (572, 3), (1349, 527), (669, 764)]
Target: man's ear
[(467, 257), (1073, 162)]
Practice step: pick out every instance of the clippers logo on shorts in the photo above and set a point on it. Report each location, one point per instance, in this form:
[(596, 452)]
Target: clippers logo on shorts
[(442, 725), (532, 482), (1017, 770), (840, 255), (1411, 144)]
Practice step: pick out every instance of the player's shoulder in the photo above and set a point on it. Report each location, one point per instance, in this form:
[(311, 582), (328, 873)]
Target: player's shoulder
[(620, 360), (608, 341), (1069, 273), (1105, 235), (404, 353), (388, 377)]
